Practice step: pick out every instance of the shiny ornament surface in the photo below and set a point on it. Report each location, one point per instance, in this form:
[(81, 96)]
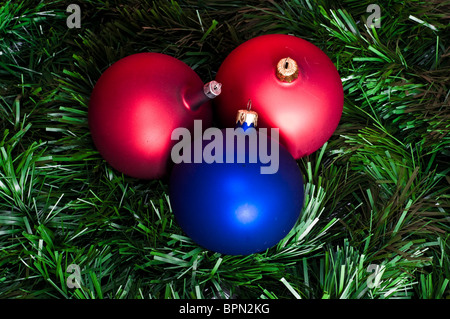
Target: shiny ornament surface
[(232, 208), (293, 86), (136, 104)]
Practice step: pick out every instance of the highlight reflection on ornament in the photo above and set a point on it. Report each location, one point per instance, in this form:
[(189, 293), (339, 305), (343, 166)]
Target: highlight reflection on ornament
[(246, 213)]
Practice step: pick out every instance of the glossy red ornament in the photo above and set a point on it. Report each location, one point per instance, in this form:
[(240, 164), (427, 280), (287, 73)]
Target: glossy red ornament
[(136, 104), (292, 85)]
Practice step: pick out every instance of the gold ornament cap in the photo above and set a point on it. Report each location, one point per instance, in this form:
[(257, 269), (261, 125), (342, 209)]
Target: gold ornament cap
[(248, 117), (287, 70)]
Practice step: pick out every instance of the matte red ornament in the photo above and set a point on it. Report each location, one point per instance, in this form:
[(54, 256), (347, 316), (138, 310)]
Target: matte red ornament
[(136, 104), (292, 85)]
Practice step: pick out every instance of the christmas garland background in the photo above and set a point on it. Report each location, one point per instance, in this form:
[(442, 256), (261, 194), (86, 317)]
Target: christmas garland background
[(375, 222)]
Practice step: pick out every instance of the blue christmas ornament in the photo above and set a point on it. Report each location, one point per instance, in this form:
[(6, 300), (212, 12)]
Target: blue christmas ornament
[(241, 198)]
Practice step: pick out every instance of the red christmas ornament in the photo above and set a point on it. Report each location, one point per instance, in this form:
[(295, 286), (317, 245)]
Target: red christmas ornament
[(292, 84), (136, 104)]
